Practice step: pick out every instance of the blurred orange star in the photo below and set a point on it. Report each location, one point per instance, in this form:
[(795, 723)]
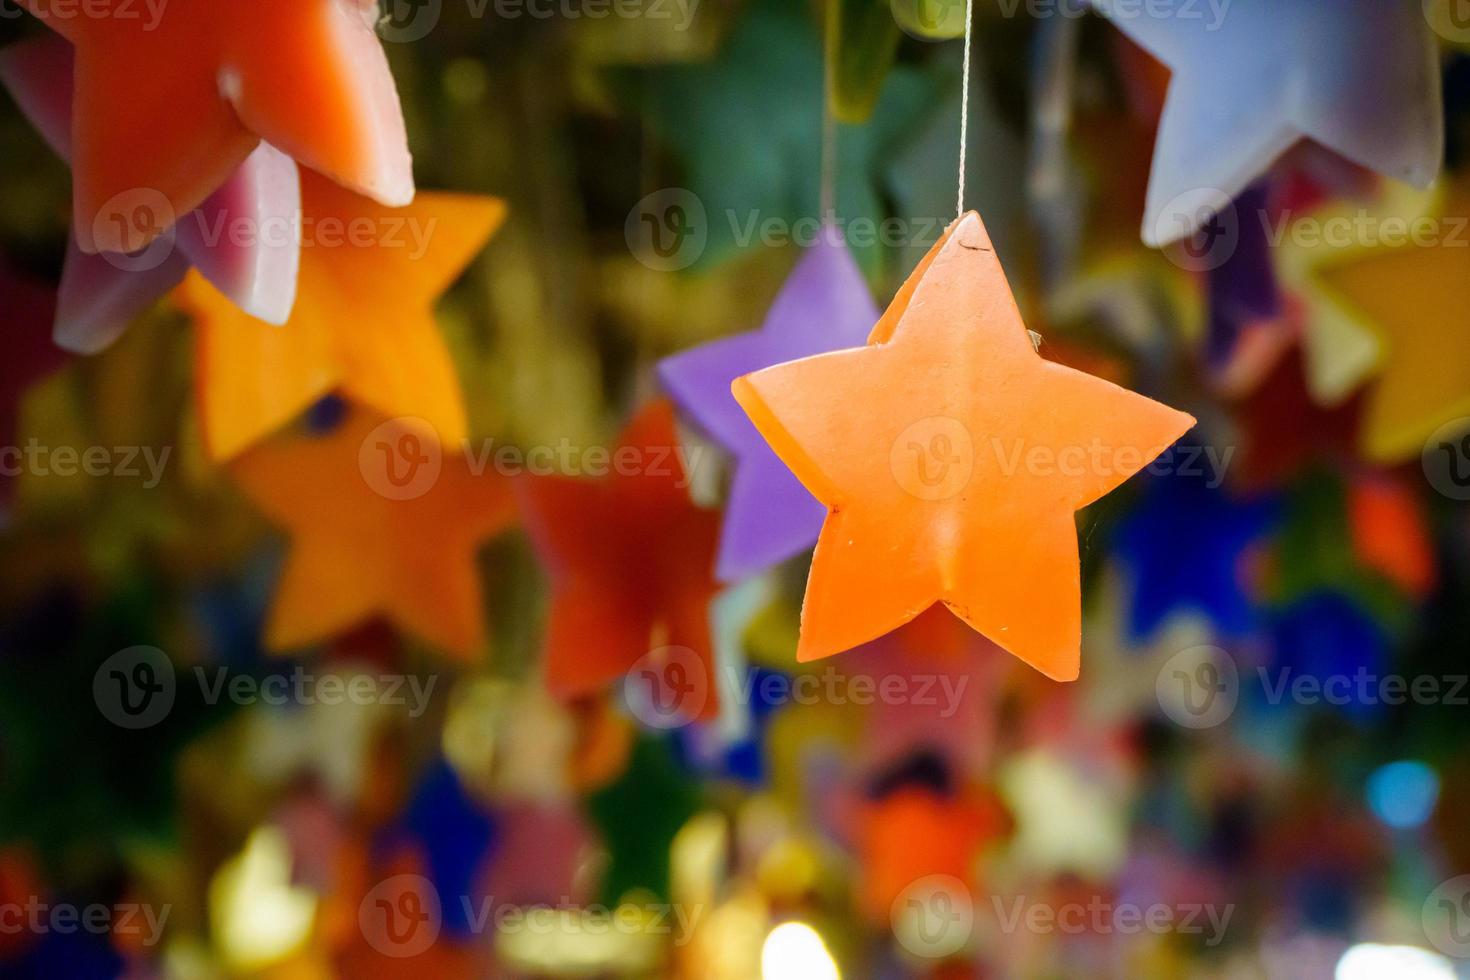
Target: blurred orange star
[(152, 142), (363, 321), (382, 521), (952, 459), (631, 562), (914, 834)]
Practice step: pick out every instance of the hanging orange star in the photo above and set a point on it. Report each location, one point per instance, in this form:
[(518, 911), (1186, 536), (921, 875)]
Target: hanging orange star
[(383, 522), (363, 321), (631, 562), (913, 834), (172, 96), (952, 458)]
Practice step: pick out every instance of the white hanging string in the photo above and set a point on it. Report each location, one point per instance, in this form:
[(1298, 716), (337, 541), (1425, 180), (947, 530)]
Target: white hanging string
[(965, 103)]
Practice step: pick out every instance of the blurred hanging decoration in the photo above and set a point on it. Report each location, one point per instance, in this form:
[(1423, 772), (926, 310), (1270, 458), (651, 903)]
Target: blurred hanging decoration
[(1315, 550), (363, 324), (459, 840), (1247, 329), (150, 145), (30, 357), (631, 562), (245, 237), (930, 467), (913, 834), (397, 535), (824, 306), (748, 137), (1413, 297), (862, 39), (939, 20), (1053, 188), (1210, 577), (1248, 85), (1271, 453), (638, 817), (1341, 350), (1390, 531)]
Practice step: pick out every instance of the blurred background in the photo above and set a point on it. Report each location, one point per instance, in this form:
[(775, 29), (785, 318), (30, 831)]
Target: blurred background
[(1261, 773)]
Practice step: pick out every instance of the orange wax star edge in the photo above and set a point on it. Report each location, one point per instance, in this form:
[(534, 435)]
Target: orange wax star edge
[(363, 322), (367, 542), (169, 102), (952, 459), (631, 562)]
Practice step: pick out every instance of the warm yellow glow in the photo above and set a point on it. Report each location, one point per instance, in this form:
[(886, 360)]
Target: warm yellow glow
[(1371, 961), (794, 951), (697, 858), (258, 916)]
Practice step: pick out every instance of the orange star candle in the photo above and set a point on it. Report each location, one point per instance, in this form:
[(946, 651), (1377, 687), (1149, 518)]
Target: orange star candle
[(952, 459), (171, 97), (363, 323), (382, 522), (631, 561)]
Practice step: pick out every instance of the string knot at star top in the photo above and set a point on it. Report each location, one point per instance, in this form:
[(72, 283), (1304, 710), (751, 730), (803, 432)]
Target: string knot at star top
[(952, 458), (151, 143)]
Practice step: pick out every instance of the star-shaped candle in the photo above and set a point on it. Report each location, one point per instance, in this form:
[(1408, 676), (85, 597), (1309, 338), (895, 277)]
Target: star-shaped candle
[(631, 563), (363, 321), (1210, 576), (151, 142), (245, 238), (382, 522), (824, 306), (1413, 299), (952, 459), (1254, 77)]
